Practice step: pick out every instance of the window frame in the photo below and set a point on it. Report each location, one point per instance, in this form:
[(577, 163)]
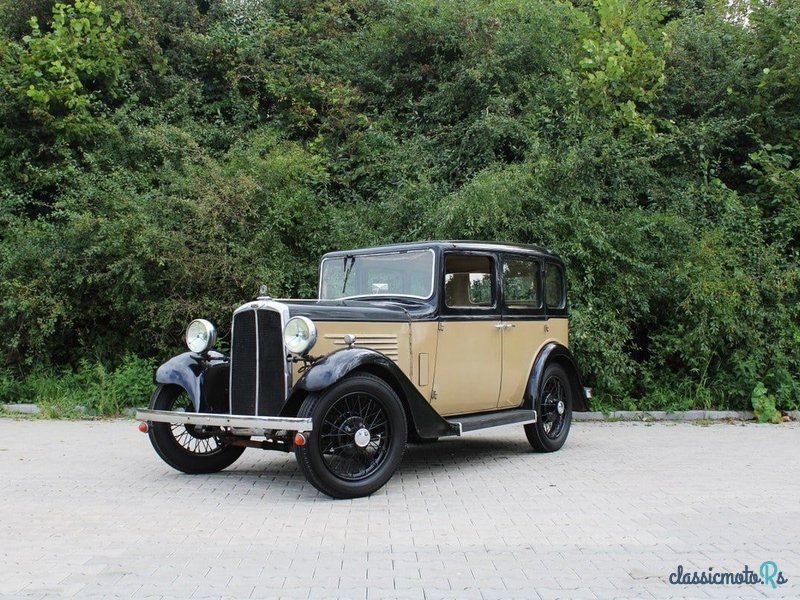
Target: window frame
[(487, 312), (527, 312), (369, 296), (561, 308)]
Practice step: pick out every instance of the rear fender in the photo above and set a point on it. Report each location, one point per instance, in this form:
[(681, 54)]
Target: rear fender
[(188, 370), (555, 353)]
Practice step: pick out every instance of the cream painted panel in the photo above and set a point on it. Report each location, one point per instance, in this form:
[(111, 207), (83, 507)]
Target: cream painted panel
[(392, 339), (521, 346), (424, 336), (468, 361)]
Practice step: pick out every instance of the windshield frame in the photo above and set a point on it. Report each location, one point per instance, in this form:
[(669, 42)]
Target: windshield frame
[(356, 255)]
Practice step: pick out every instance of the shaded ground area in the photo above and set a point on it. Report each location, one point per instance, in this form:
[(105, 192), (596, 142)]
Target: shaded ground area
[(89, 511)]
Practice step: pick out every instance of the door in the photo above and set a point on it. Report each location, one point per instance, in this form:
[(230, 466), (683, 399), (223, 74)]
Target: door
[(525, 327), (469, 343)]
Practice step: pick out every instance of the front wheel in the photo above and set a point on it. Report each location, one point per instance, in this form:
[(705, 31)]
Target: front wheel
[(553, 411), (188, 448), (358, 437)]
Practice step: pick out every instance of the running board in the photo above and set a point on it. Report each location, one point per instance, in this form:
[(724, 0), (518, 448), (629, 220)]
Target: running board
[(494, 419)]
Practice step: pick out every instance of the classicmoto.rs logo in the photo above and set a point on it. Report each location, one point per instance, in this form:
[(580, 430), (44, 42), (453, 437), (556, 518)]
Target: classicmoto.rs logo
[(767, 574)]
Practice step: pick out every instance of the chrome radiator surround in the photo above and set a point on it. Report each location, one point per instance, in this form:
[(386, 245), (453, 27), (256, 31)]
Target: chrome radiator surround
[(257, 306)]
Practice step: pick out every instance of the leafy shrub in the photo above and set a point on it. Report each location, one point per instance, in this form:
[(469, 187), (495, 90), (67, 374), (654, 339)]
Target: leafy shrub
[(60, 76), (91, 388), (173, 155), (764, 405)]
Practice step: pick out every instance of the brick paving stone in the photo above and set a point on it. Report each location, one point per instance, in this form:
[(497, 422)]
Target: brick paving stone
[(89, 511)]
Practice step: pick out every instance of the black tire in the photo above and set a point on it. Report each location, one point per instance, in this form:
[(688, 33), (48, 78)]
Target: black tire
[(553, 411), (183, 447), (338, 458)]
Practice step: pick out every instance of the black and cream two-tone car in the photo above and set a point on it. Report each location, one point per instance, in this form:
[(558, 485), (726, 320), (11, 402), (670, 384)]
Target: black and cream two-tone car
[(406, 343)]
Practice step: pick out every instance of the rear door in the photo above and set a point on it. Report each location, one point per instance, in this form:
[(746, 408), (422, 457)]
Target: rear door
[(524, 324)]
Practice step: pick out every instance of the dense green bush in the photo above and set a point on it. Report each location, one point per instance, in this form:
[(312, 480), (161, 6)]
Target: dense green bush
[(159, 159), (88, 389)]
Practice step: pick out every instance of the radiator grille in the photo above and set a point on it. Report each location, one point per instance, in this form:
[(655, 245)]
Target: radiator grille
[(258, 379), (243, 364), (271, 363)]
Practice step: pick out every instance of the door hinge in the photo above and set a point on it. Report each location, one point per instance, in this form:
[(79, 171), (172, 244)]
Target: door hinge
[(440, 326)]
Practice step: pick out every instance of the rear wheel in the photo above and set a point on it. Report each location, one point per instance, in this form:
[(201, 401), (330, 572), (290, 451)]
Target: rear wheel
[(358, 439), (188, 448), (553, 411)]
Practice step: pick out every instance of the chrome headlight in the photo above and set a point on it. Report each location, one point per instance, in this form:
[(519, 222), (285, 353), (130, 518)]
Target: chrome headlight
[(200, 335), (299, 335)]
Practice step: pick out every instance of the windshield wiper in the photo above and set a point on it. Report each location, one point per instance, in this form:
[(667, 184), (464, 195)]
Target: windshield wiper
[(347, 270)]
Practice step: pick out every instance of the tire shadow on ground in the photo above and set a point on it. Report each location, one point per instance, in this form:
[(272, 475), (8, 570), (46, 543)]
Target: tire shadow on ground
[(278, 475)]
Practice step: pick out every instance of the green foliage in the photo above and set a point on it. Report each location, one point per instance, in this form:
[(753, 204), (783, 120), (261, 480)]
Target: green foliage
[(89, 389), (764, 405), (775, 177), (623, 64), (60, 78), (159, 159)]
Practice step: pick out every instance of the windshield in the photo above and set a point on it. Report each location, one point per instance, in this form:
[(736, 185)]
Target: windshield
[(408, 274)]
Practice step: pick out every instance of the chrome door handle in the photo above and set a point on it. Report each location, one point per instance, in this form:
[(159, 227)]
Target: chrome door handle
[(503, 325)]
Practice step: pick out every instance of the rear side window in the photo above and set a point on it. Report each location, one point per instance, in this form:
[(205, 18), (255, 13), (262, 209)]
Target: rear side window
[(554, 295), (468, 281), (521, 284)]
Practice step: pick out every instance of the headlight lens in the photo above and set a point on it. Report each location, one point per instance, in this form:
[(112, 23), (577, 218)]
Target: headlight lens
[(299, 335), (200, 335)]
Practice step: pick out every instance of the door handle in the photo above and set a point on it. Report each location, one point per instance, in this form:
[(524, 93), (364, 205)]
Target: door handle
[(504, 325)]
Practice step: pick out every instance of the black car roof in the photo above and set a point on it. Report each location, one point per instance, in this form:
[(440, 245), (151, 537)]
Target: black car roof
[(453, 245)]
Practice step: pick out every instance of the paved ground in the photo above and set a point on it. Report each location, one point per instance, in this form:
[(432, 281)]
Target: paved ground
[(89, 511)]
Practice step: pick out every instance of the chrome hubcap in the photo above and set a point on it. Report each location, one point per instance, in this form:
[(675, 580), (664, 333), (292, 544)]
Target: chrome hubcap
[(362, 437), (560, 407)]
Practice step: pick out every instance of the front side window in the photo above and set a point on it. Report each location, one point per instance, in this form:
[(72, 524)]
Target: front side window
[(553, 286), (521, 283), (468, 281), (404, 274)]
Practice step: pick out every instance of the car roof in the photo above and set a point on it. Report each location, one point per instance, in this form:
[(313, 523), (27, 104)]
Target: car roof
[(466, 245)]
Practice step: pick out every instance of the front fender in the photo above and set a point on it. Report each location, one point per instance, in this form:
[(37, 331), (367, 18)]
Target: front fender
[(187, 370), (336, 365), (422, 417), (554, 352)]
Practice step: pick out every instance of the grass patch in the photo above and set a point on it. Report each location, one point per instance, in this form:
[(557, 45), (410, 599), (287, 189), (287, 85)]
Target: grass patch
[(91, 389)]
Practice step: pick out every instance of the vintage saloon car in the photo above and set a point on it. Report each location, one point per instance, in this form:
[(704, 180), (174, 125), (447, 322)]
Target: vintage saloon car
[(408, 342)]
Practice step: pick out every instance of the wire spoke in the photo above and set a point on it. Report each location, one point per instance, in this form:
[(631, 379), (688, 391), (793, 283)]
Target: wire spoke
[(190, 438), (346, 416), (341, 447), (553, 396)]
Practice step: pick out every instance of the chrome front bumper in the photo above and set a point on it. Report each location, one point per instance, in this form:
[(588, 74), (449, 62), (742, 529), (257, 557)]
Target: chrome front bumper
[(232, 421)]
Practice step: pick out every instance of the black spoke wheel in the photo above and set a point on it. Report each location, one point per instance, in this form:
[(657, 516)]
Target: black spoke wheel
[(553, 411), (358, 439), (354, 436), (188, 448)]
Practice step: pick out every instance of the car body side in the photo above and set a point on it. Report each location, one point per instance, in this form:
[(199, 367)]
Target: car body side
[(403, 343)]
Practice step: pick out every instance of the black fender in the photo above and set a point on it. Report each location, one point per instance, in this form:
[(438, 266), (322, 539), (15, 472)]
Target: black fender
[(191, 372), (422, 417), (558, 353)]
